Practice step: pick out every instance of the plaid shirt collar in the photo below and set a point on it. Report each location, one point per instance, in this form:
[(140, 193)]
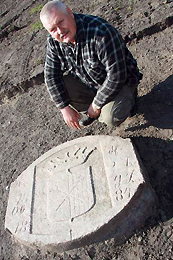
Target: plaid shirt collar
[(80, 33)]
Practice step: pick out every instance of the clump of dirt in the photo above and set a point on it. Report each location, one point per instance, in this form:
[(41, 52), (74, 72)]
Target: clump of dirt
[(30, 124)]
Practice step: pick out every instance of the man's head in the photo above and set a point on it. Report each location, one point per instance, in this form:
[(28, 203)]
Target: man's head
[(59, 21)]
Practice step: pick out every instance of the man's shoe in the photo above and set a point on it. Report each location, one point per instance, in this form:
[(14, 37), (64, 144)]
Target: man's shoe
[(86, 121)]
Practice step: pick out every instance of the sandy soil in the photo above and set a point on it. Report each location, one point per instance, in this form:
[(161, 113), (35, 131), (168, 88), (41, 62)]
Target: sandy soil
[(30, 124)]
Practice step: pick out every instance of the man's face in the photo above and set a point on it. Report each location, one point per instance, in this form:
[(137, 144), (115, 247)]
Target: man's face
[(62, 26)]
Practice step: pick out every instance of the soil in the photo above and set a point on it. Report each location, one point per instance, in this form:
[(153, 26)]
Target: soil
[(30, 124)]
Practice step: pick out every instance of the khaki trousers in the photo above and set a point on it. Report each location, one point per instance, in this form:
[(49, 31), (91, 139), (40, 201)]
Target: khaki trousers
[(113, 113)]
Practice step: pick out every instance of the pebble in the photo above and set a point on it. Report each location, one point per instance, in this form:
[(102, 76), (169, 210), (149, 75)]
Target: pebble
[(169, 233), (139, 239), (146, 14)]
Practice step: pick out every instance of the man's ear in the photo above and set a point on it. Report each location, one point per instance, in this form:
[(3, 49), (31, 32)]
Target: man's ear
[(69, 11)]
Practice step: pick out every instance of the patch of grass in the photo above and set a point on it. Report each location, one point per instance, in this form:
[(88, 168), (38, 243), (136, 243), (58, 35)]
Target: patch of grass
[(118, 6), (131, 4), (12, 28), (38, 61), (36, 9), (37, 26)]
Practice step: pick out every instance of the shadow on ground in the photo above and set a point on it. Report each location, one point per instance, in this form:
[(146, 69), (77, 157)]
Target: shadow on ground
[(156, 155), (157, 106)]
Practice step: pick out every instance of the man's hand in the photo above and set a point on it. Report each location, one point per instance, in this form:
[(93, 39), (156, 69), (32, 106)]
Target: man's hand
[(93, 111), (71, 117)]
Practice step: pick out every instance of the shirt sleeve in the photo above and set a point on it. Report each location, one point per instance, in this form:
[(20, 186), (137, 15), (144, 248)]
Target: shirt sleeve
[(111, 53), (53, 75)]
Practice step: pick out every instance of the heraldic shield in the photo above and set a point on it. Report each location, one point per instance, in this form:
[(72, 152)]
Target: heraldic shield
[(66, 182)]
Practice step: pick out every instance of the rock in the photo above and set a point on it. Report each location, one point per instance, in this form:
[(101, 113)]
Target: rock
[(83, 191)]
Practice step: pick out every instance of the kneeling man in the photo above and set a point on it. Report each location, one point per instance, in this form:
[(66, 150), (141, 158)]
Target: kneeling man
[(88, 67)]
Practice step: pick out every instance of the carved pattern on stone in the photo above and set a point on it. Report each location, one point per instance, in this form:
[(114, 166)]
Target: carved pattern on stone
[(19, 210), (121, 171), (70, 186), (22, 226), (70, 158), (73, 199)]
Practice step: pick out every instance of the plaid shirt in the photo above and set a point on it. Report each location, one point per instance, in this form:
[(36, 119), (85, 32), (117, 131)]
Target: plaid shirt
[(99, 59)]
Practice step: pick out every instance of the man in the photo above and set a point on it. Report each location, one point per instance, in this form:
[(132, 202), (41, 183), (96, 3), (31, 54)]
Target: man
[(101, 74)]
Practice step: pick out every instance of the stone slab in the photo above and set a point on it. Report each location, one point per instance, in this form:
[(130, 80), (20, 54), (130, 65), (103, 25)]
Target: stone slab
[(80, 192)]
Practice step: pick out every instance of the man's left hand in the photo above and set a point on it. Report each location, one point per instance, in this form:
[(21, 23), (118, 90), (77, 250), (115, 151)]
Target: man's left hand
[(93, 111)]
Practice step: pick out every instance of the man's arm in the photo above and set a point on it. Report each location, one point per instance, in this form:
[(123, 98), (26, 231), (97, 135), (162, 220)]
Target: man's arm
[(94, 111), (53, 74), (71, 117), (56, 87)]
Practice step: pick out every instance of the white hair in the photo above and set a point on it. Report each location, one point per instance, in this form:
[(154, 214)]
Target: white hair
[(51, 6)]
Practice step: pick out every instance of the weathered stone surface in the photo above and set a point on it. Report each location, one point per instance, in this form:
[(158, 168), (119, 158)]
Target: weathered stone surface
[(80, 192)]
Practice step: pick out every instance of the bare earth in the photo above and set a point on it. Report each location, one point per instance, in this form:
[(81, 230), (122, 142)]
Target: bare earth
[(30, 124)]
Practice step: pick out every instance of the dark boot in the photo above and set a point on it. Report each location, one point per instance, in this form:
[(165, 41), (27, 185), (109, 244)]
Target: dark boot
[(86, 121)]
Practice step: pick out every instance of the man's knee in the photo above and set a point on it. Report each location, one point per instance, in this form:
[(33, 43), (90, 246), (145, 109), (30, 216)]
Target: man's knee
[(111, 119), (107, 116), (116, 112)]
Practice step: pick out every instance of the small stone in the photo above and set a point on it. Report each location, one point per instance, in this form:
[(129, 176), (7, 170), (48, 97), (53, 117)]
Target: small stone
[(146, 14), (139, 239), (169, 233)]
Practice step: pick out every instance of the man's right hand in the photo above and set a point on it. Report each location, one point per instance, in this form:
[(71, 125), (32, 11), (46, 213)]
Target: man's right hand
[(71, 117)]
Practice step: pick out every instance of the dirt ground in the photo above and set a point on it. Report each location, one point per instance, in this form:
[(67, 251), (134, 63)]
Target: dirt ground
[(30, 124)]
